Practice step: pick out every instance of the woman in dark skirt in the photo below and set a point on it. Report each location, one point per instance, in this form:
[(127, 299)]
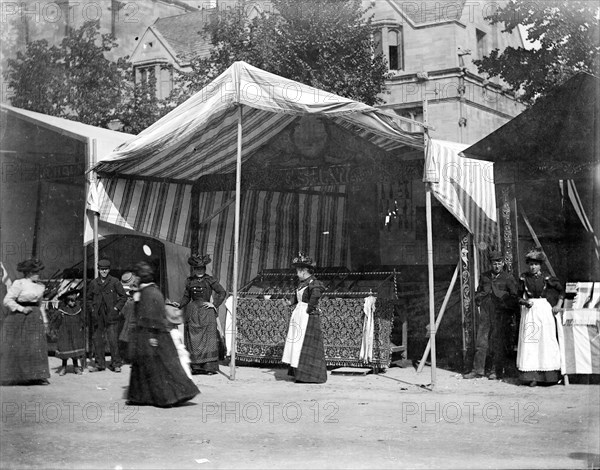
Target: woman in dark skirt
[(304, 350), (71, 343), (157, 377), (201, 335), (23, 345), (541, 296)]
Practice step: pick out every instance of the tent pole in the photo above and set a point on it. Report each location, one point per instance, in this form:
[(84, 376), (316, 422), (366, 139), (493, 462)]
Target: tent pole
[(88, 165), (431, 283), (236, 241), (96, 250), (91, 158), (428, 179)]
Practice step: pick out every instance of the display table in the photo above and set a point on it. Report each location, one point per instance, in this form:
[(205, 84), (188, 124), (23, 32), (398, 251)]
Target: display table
[(262, 326), (579, 340)]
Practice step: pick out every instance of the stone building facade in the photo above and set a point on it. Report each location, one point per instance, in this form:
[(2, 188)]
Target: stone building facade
[(26, 21), (429, 46)]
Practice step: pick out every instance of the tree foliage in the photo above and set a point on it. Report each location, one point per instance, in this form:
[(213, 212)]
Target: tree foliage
[(139, 106), (76, 81), (567, 32), (323, 43)]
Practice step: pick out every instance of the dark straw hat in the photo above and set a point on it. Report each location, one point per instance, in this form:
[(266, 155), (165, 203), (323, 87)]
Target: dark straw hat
[(69, 293), (535, 255), (303, 261), (199, 261), (32, 265)]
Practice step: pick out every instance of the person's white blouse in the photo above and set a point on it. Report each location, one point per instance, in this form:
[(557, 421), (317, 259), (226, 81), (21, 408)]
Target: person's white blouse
[(23, 291)]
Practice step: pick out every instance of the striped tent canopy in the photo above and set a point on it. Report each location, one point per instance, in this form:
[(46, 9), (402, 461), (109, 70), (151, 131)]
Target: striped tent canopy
[(146, 184), (200, 136)]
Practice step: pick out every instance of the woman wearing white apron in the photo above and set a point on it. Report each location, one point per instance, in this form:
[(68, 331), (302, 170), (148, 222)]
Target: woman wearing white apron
[(304, 350), (541, 296)]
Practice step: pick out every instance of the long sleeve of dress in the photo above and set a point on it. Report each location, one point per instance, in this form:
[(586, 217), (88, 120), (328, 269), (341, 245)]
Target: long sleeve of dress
[(315, 291), (10, 299), (185, 299), (219, 293)]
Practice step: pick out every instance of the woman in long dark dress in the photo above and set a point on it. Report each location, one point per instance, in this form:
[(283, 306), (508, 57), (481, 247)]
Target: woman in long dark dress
[(157, 377), (201, 334), (541, 297), (304, 350), (23, 346)]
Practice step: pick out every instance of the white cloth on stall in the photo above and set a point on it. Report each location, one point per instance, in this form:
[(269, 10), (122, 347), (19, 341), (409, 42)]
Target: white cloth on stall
[(366, 346), (296, 332), (228, 326)]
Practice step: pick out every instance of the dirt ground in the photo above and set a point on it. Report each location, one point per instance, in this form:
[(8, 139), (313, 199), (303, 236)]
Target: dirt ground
[(263, 420)]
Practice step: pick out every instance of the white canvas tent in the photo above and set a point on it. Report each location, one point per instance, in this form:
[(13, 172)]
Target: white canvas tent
[(148, 184), (44, 159)]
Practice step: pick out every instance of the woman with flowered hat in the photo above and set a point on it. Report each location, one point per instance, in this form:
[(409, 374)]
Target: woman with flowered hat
[(541, 296), (201, 335), (304, 350), (23, 346)]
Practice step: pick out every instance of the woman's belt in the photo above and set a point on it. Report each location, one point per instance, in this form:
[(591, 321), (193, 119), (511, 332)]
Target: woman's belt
[(28, 304)]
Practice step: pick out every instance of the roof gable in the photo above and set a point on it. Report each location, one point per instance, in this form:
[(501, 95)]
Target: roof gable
[(153, 47), (185, 33)]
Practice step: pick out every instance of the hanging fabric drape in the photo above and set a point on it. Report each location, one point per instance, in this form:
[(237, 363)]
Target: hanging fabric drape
[(568, 189), (465, 186), (366, 347)]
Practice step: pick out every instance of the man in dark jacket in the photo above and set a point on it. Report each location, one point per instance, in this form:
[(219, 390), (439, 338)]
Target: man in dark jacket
[(105, 299), (496, 297)]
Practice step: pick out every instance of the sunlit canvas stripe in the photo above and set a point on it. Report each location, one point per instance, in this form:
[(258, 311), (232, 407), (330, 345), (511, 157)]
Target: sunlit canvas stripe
[(466, 189), (270, 233), (159, 210)]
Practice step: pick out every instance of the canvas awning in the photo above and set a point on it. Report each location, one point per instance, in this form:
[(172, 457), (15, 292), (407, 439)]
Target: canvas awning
[(200, 136)]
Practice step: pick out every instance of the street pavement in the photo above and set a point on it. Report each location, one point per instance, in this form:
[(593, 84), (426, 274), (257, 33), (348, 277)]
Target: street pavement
[(263, 420)]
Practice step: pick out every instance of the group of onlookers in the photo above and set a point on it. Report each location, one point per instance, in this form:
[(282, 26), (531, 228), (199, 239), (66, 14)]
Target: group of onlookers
[(132, 311), (539, 297)]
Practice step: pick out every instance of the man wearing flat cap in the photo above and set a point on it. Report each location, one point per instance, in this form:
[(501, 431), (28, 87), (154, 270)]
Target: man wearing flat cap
[(496, 297), (105, 300)]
